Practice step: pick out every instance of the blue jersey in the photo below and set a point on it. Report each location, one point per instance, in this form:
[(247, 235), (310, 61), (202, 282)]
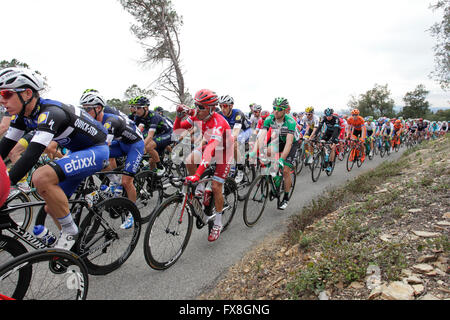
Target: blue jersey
[(237, 117), (121, 128)]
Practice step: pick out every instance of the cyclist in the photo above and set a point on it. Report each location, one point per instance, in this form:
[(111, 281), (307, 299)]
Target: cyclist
[(332, 131), (124, 139), (421, 128), (357, 128), (370, 129), (309, 124), (218, 143), (70, 126), (284, 139), (157, 132), (255, 116), (240, 128), (386, 130), (398, 130)]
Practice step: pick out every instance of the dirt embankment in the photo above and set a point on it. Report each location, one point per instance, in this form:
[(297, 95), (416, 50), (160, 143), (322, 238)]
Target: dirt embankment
[(384, 235)]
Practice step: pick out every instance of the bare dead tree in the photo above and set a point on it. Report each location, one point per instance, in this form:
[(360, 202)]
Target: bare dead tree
[(157, 27)]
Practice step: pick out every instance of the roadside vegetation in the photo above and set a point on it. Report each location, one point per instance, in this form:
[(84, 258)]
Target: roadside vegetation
[(383, 235)]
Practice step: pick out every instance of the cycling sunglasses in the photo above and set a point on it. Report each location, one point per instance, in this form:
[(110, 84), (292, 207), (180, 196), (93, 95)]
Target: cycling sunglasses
[(200, 107), (279, 108), (8, 93)]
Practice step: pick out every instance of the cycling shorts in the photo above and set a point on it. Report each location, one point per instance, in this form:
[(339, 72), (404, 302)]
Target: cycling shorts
[(244, 136), (77, 165), (223, 164), (357, 133), (133, 152), (290, 159), (162, 141)]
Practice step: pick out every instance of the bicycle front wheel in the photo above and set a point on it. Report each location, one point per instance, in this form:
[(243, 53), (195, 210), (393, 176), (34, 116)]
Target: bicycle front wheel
[(256, 200), (104, 242), (351, 159), (56, 275), (168, 233), (23, 217), (316, 167)]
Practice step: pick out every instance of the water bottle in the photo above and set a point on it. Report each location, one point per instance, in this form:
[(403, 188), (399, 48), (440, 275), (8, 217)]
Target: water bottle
[(44, 235), (207, 198), (104, 189), (118, 190)]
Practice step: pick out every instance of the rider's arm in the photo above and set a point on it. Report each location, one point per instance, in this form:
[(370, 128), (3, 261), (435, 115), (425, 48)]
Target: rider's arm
[(288, 146)]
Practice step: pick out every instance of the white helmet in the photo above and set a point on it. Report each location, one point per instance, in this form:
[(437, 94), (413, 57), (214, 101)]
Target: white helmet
[(14, 78), (226, 100), (92, 98)]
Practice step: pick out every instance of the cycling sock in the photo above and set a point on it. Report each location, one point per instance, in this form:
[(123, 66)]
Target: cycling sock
[(218, 220), (68, 225)]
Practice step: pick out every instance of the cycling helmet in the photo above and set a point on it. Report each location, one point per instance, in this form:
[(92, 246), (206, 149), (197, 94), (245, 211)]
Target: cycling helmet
[(355, 112), (228, 100), (90, 90), (370, 118), (295, 114), (328, 112), (158, 109), (140, 101), (281, 102), (309, 110), (206, 98), (92, 98), (265, 114), (398, 121), (257, 107), (15, 78)]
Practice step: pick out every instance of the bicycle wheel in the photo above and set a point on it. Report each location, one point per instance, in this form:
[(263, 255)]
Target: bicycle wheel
[(168, 233), (257, 196), (102, 243), (23, 217), (300, 159), (149, 194), (249, 176), (230, 197), (351, 159), (316, 166), (329, 173), (53, 275)]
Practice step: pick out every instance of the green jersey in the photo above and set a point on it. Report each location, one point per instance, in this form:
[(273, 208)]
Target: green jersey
[(289, 125)]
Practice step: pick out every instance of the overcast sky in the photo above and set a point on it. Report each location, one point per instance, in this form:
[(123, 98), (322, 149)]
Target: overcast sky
[(315, 53)]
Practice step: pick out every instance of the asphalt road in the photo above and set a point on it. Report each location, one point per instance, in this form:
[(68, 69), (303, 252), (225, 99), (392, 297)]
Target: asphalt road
[(203, 263)]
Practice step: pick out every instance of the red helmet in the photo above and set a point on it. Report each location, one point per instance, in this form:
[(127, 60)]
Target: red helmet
[(206, 98), (265, 114)]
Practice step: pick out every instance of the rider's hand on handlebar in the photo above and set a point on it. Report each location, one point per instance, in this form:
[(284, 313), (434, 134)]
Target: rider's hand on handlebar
[(193, 179)]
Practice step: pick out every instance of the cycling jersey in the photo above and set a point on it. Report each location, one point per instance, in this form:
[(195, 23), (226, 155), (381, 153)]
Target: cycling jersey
[(121, 128), (333, 128), (237, 120), (217, 132), (128, 141), (370, 128), (71, 127), (387, 128), (289, 125), (313, 122), (153, 121), (357, 123)]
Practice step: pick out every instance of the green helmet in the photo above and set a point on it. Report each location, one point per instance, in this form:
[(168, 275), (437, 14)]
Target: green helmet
[(89, 90), (281, 102), (139, 101)]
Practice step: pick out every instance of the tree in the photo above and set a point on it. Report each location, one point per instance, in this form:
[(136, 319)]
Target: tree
[(416, 105), (158, 26), (376, 102), (441, 32), (132, 91)]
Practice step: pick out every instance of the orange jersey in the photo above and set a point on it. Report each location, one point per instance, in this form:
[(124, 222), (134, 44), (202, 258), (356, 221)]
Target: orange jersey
[(397, 126), (357, 123)]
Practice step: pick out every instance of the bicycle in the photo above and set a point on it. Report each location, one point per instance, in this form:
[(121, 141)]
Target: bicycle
[(355, 154), (263, 188), (170, 227), (101, 243), (47, 274), (322, 151)]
